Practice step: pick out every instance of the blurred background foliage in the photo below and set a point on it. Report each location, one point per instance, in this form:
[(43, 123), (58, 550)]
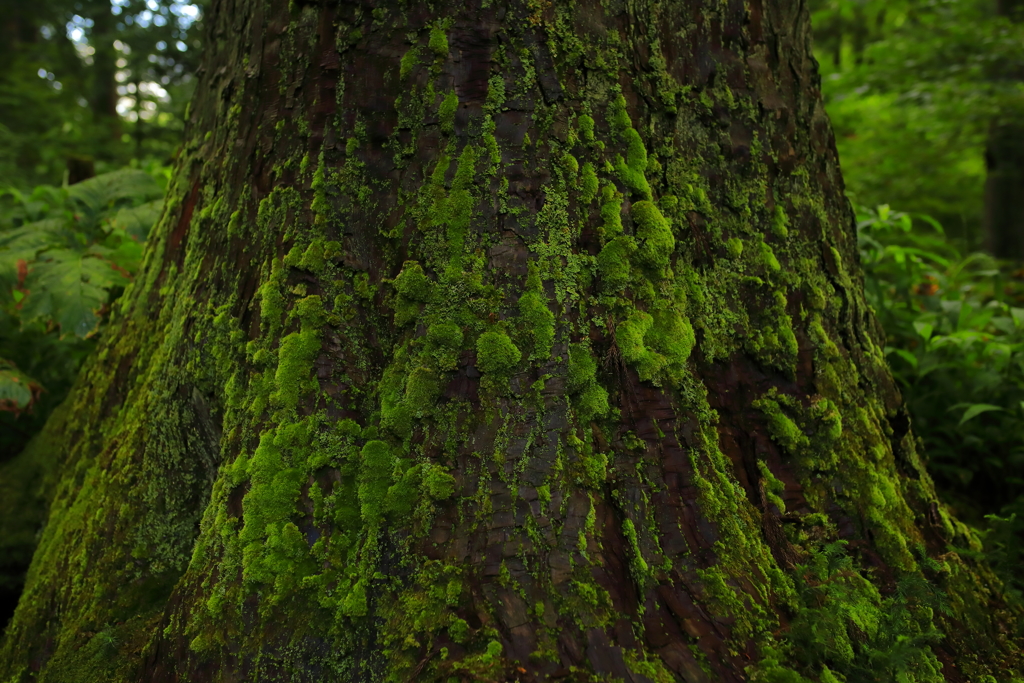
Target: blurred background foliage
[(926, 98), (92, 101), (88, 86), (927, 104)]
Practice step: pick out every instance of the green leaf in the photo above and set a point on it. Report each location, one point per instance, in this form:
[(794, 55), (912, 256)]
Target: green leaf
[(69, 288), (923, 329), (17, 390), (976, 409), (137, 221), (102, 191), (904, 354)]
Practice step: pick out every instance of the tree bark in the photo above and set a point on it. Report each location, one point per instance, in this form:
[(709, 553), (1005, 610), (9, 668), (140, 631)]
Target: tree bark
[(501, 341), (1004, 167), (1004, 185)]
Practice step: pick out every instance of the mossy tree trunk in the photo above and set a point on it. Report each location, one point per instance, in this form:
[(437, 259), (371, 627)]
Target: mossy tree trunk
[(501, 341)]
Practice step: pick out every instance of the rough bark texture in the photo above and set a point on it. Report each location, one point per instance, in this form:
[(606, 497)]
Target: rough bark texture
[(501, 341)]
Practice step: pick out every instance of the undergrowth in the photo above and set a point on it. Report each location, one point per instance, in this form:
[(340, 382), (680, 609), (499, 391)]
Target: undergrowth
[(66, 253)]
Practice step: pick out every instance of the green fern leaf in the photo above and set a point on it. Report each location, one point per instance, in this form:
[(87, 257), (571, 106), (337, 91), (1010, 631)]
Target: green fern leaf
[(18, 391), (102, 192), (70, 287), (136, 221)]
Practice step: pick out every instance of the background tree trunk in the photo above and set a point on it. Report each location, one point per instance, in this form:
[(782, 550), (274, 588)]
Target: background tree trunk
[(501, 341), (1004, 166)]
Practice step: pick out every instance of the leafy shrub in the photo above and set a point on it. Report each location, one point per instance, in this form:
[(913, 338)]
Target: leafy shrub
[(955, 341), (65, 254)]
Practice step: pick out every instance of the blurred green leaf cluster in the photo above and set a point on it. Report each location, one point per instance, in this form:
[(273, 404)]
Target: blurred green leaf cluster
[(912, 88), (65, 254), (86, 86)]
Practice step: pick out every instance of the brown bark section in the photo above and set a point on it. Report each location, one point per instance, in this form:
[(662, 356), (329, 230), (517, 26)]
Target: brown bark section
[(675, 565)]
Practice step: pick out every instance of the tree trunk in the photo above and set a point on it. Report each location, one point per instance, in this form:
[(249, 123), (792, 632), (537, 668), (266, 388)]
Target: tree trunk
[(104, 70), (1004, 168), (501, 341), (1004, 187)]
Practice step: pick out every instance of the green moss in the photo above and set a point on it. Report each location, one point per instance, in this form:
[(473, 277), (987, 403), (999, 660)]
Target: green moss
[(631, 170), (673, 336), (438, 42), (458, 629), (821, 339), (409, 61), (611, 211), (295, 360), (375, 467), (637, 563), (444, 341), (438, 484), (586, 126), (544, 494), (496, 354), (483, 666), (403, 494), (313, 259), (491, 144), (734, 248), (495, 94), (538, 318), (636, 152), (655, 235), (406, 311), (843, 620), (570, 165), (446, 112), (421, 391), (588, 184), (273, 489), (783, 429), (595, 469), (771, 263), (658, 345), (412, 283), (271, 300), (354, 604), (773, 487), (235, 223), (592, 402), (829, 419), (582, 368), (780, 222), (618, 117), (614, 263), (629, 335), (449, 214)]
